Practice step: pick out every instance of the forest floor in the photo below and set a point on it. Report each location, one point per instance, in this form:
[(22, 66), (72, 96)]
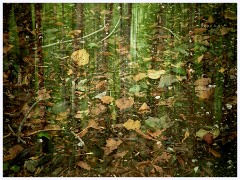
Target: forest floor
[(173, 134)]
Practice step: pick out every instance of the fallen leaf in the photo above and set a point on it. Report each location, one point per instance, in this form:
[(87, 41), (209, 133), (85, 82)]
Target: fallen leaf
[(156, 133), (230, 15), (144, 135), (107, 99), (13, 151), (153, 74), (199, 30), (210, 20), (120, 154), (132, 125), (43, 94), (111, 145), (144, 108), (158, 169), (124, 103), (84, 165), (75, 32), (53, 127), (186, 135), (139, 76), (205, 94), (81, 114), (199, 59), (214, 152), (7, 48), (224, 30), (80, 57), (202, 82), (93, 124), (98, 109), (101, 84)]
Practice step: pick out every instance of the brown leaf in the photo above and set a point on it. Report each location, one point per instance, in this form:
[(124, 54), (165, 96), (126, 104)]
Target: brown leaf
[(7, 48), (158, 169), (214, 152), (120, 154), (98, 109), (131, 124), (144, 135), (107, 99), (93, 124), (156, 133), (43, 94), (210, 20), (199, 30), (13, 152), (202, 82), (101, 84), (111, 145), (84, 165), (124, 103)]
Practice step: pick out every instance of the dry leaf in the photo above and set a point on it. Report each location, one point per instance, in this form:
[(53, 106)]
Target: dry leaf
[(199, 30), (210, 20), (43, 94), (124, 103), (205, 94), (93, 124), (74, 32), (80, 57), (214, 152), (224, 30), (101, 84), (98, 109), (199, 59), (120, 154), (139, 76), (153, 74), (156, 133), (84, 165), (111, 145), (144, 108), (107, 99), (202, 82), (186, 135), (144, 135), (132, 125), (53, 127), (13, 152), (7, 48), (81, 114), (158, 169), (70, 72)]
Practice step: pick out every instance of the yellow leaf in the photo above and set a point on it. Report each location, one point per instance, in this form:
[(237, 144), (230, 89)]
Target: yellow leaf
[(80, 57), (186, 135), (199, 59), (153, 74), (139, 76), (132, 125)]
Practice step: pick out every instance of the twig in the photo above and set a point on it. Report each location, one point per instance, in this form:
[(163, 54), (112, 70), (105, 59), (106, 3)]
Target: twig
[(10, 128), (171, 32), (110, 32), (81, 143), (24, 120), (53, 44)]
